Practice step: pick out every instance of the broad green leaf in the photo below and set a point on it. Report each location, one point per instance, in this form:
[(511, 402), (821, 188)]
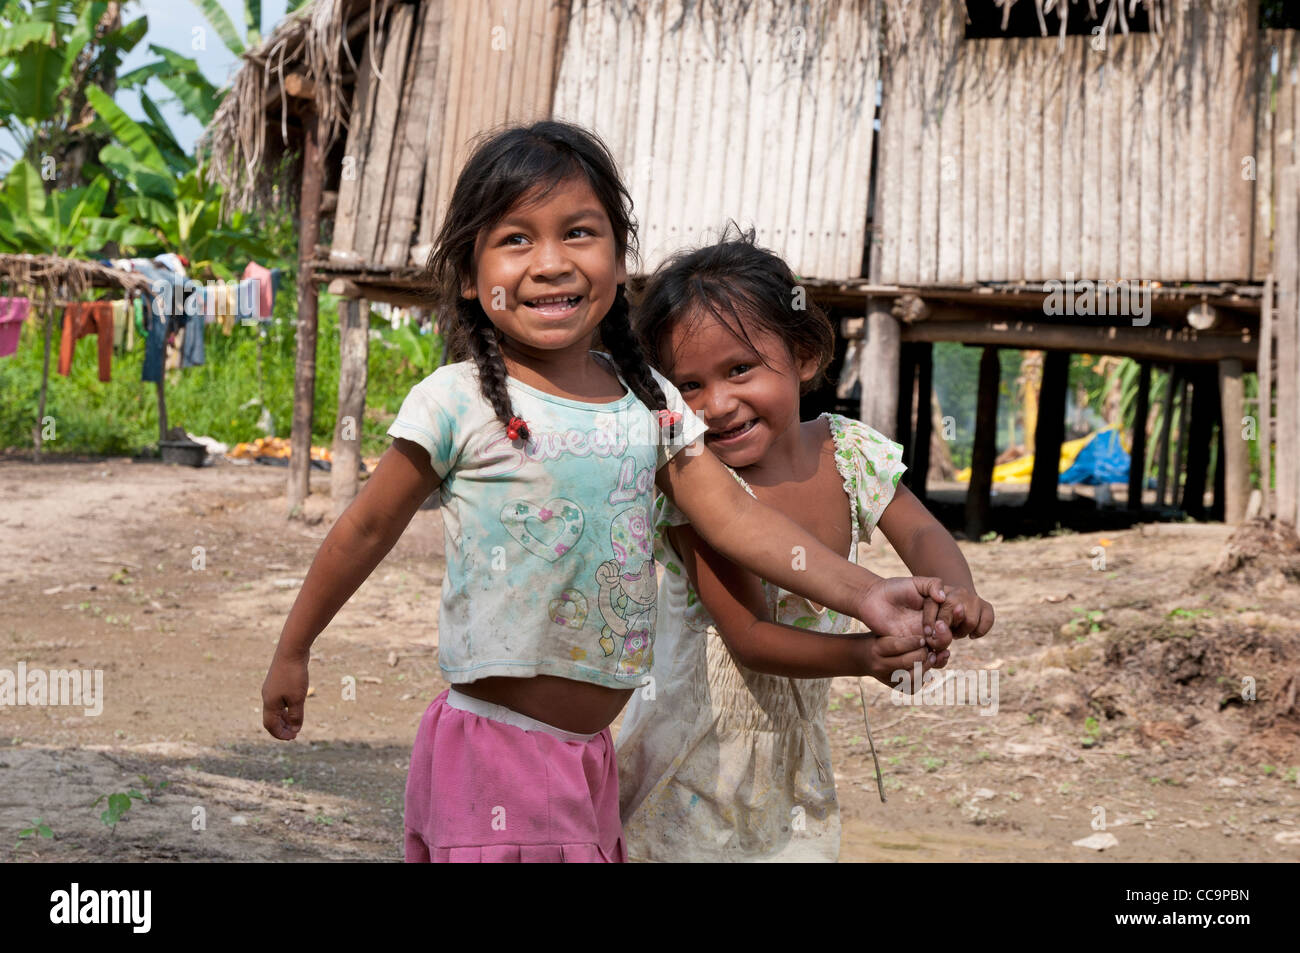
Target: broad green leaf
[(17, 35), (220, 20), (146, 181), (23, 192), (35, 83), (188, 84), (253, 20), (129, 132)]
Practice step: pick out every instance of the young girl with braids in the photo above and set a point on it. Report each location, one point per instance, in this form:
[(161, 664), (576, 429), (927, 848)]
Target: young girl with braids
[(546, 453), (731, 761)]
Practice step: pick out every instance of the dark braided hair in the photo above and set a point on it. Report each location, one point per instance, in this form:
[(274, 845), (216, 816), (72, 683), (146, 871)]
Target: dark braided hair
[(511, 164)]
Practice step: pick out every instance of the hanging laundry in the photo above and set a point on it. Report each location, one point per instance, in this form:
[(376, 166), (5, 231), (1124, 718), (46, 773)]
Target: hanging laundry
[(266, 286), (83, 318), (161, 317), (139, 315), (192, 345), (13, 312), (174, 263), (123, 326), (249, 300)]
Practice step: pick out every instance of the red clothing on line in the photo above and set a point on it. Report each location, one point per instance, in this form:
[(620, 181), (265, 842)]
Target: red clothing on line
[(83, 318)]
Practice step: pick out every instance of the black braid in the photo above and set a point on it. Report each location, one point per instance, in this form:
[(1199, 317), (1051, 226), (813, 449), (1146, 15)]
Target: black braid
[(625, 349), (483, 344)]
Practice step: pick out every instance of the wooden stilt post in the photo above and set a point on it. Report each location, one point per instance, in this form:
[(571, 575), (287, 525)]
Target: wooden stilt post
[(1235, 464), (879, 369), (906, 402), (1184, 425), (354, 350), (1199, 434), (1137, 472), (1264, 370), (304, 378), (47, 306), (1172, 386), (1286, 296), (924, 419), (984, 450), (1048, 436)]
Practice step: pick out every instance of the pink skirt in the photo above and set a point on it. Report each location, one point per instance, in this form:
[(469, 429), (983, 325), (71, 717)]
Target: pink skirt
[(482, 790)]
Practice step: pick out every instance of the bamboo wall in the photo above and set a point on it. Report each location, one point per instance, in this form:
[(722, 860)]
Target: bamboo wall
[(450, 70), (764, 121), (1006, 159)]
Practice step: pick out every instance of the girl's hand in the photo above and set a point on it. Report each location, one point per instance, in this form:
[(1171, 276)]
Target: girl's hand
[(283, 695), (971, 615), (906, 607), (883, 656)]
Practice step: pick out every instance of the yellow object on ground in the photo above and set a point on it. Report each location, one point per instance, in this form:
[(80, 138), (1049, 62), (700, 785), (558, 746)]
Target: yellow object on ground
[(271, 447), (1021, 469)]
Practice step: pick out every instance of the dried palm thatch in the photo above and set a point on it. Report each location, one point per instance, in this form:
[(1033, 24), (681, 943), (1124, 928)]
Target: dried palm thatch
[(311, 41), (66, 277)]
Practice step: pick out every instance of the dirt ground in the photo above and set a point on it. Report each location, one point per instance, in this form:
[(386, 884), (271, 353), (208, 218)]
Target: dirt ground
[(1120, 682)]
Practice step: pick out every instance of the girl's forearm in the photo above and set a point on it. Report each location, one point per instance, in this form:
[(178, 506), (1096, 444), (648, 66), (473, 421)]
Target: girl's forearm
[(798, 653), (344, 561), (933, 552), (775, 548)]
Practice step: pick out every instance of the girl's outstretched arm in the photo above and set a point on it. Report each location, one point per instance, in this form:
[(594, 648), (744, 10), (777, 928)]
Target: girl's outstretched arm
[(774, 547), (357, 543), (928, 549), (735, 600)]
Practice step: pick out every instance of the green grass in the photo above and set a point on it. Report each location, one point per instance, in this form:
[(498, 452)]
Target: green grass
[(121, 417)]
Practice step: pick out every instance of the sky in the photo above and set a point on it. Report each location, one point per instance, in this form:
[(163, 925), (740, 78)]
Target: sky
[(173, 24)]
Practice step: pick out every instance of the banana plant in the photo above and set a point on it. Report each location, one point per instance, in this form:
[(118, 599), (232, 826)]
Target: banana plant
[(170, 212)]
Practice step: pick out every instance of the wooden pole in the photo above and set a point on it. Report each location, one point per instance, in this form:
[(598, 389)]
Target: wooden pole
[(1137, 473), (906, 402), (984, 450), (1184, 422), (1199, 433), (1166, 428), (1235, 464), (879, 369), (1048, 436), (37, 434), (924, 419), (1264, 369), (304, 378), (354, 350)]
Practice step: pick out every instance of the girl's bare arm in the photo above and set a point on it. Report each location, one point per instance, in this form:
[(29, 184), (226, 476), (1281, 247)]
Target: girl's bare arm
[(358, 542), (735, 600), (773, 547), (928, 549)]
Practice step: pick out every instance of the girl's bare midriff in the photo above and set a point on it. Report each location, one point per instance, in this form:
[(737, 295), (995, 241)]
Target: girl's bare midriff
[(574, 706)]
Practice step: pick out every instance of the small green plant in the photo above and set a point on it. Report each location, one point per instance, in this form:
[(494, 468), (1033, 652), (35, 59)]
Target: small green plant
[(152, 788), (1268, 768), (1091, 732), (1291, 774), (1093, 617), (118, 804), (932, 764), (38, 829)]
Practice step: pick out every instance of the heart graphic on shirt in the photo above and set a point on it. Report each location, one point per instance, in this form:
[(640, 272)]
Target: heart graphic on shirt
[(548, 531), (570, 609)]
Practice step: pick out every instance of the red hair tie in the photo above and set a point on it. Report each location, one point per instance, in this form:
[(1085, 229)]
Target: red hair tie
[(516, 428), (668, 417)]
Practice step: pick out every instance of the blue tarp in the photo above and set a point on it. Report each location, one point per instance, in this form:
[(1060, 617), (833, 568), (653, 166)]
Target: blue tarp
[(1102, 460)]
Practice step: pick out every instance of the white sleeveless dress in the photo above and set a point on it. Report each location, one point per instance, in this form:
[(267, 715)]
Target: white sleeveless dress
[(724, 763)]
